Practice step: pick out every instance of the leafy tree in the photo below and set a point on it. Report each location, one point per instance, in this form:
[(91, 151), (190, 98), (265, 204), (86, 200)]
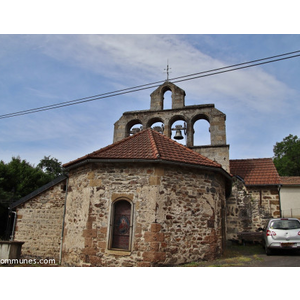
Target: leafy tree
[(51, 166), (19, 178), (287, 156)]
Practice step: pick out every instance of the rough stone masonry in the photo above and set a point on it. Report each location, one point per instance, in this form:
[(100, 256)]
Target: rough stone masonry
[(176, 214)]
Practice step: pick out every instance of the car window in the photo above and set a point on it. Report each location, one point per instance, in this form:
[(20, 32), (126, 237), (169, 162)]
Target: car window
[(285, 224)]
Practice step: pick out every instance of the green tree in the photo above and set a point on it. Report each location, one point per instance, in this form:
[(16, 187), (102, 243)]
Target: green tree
[(51, 166), (19, 178), (287, 156)]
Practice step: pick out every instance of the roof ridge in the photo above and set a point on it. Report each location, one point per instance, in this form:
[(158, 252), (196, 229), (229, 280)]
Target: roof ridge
[(153, 143), (252, 158)]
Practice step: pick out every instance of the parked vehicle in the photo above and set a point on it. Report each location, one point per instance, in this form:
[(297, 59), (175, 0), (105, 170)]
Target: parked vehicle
[(282, 233)]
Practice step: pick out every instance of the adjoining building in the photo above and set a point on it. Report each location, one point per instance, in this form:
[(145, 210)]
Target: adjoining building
[(255, 195)]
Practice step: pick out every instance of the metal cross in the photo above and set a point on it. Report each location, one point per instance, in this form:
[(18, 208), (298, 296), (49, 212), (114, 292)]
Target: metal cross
[(167, 69)]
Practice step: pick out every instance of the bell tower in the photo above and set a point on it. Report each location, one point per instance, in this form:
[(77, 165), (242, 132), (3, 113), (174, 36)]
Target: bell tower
[(157, 97), (134, 121)]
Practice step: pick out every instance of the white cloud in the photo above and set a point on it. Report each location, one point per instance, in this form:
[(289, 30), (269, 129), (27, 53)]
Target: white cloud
[(129, 60), (138, 59)]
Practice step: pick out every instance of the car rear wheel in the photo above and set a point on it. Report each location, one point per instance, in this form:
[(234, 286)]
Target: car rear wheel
[(268, 250)]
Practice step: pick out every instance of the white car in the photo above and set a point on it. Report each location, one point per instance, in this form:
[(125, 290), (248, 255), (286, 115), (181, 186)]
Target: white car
[(282, 233)]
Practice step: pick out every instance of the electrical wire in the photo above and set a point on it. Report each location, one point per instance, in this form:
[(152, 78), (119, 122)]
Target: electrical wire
[(235, 69), (193, 76)]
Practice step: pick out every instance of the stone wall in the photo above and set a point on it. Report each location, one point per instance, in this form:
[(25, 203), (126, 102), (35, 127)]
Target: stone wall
[(39, 223), (249, 208), (190, 213), (220, 154), (176, 214)]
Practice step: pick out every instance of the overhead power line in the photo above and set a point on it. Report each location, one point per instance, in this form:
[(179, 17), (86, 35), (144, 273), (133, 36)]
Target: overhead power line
[(193, 76)]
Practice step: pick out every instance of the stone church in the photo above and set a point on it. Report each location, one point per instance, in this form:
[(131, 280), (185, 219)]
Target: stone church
[(145, 200)]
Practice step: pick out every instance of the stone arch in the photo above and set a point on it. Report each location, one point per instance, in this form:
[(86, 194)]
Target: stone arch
[(152, 121), (171, 123), (131, 124), (177, 118), (195, 135), (200, 117), (165, 88), (157, 97)]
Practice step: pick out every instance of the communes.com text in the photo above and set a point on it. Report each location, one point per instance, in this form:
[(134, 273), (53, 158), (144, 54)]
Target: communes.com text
[(27, 261)]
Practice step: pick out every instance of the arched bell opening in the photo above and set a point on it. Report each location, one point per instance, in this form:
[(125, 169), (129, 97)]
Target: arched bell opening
[(156, 124), (201, 131), (167, 99), (178, 132), (166, 93), (133, 127)]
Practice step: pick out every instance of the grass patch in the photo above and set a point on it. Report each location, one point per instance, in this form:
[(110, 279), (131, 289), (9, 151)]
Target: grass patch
[(234, 256)]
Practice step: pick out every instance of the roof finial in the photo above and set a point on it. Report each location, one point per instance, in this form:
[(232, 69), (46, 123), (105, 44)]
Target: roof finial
[(167, 70)]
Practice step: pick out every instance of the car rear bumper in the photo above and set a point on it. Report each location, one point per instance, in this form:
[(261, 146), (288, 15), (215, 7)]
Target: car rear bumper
[(284, 245)]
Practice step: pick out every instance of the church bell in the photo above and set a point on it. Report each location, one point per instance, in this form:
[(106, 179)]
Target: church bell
[(178, 135)]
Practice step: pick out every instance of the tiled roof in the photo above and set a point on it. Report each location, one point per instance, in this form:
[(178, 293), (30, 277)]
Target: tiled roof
[(149, 145), (259, 171), (290, 180)]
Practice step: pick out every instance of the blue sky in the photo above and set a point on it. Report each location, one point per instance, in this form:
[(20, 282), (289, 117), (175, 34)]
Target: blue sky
[(261, 103)]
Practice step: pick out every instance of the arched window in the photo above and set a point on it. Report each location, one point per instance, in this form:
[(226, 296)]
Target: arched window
[(121, 225)]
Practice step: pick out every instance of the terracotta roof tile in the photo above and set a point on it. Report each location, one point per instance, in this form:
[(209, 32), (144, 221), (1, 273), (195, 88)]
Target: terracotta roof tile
[(259, 171), (290, 180), (149, 144)]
